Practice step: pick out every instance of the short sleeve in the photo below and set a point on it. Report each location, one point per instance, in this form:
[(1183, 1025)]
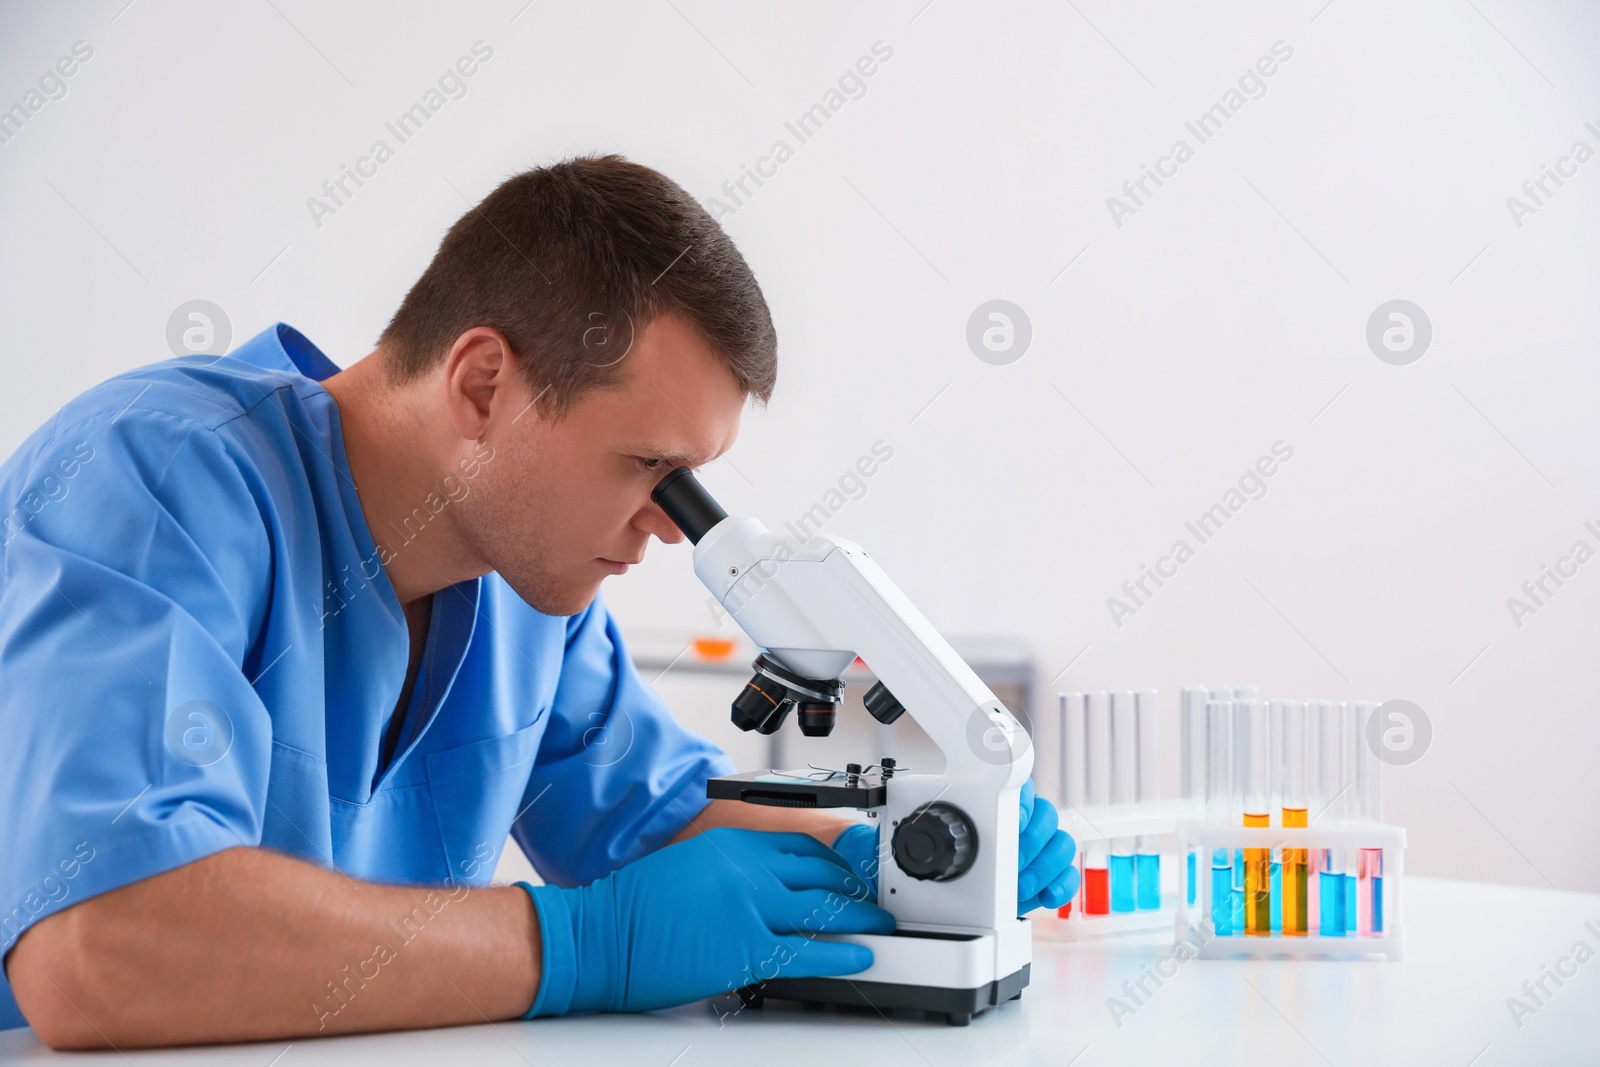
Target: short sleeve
[(616, 777), (129, 592)]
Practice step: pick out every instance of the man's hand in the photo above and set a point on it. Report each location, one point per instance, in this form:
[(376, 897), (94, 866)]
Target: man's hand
[(720, 911), (821, 824), (1044, 856), (1046, 877)]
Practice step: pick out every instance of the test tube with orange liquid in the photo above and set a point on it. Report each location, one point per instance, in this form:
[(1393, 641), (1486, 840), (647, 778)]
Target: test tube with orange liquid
[(1251, 718), (1295, 875)]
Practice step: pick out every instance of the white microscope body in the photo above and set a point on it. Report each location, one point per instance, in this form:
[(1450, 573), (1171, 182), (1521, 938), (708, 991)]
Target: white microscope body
[(951, 880)]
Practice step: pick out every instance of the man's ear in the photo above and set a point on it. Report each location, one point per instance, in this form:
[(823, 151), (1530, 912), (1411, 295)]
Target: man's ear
[(481, 377)]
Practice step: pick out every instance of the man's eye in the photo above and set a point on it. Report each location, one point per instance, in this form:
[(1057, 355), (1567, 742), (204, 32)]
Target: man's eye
[(650, 464)]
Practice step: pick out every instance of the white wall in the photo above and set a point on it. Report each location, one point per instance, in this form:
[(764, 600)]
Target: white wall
[(1226, 314)]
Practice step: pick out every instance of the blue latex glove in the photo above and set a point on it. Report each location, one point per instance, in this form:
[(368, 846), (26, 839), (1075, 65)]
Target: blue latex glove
[(1046, 877), (1044, 856), (722, 910)]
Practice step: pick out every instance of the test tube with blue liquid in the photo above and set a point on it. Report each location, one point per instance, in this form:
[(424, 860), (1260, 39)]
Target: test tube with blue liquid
[(1147, 854), (1192, 776), (1331, 790), (1274, 791), (1241, 755), (1219, 809), (1124, 794), (1351, 861)]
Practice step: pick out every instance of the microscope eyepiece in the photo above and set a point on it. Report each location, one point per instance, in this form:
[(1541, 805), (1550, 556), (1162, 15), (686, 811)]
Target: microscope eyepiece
[(687, 503)]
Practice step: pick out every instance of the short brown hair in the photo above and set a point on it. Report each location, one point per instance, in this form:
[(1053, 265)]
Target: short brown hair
[(569, 262)]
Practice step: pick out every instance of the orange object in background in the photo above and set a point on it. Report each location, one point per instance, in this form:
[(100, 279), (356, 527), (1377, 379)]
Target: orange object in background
[(714, 647)]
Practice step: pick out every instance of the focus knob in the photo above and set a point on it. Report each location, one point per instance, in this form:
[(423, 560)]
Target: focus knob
[(937, 842), (883, 705)]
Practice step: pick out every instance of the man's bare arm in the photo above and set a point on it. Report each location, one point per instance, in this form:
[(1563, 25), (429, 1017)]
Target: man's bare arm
[(250, 945), (821, 825)]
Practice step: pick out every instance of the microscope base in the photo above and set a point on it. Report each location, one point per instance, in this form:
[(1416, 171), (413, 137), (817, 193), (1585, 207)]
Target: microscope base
[(958, 1006)]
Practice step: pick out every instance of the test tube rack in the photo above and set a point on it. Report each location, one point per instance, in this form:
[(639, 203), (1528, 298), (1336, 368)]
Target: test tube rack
[(1092, 829), (1287, 851), (1097, 760), (1197, 929)]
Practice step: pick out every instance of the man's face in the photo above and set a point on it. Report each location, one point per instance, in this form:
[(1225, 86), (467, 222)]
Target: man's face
[(568, 502)]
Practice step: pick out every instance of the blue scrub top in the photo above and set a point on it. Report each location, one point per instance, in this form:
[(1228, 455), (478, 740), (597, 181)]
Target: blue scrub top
[(200, 649)]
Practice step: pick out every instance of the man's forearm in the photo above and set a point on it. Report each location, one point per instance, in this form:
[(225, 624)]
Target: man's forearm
[(251, 945), (822, 825)]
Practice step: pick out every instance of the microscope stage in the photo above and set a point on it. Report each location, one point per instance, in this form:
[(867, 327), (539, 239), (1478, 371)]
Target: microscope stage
[(801, 789)]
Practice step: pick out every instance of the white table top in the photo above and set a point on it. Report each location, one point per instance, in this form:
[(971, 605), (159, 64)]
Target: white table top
[(1469, 948)]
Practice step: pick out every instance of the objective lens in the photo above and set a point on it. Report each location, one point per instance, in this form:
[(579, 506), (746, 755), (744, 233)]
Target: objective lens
[(761, 705), (816, 719)]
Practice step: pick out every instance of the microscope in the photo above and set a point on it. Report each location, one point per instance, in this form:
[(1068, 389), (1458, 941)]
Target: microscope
[(947, 859)]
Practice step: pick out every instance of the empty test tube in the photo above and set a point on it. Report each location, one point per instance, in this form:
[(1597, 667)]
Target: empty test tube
[(1313, 810)]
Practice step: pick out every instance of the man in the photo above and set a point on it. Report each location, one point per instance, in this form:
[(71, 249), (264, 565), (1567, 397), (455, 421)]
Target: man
[(288, 651)]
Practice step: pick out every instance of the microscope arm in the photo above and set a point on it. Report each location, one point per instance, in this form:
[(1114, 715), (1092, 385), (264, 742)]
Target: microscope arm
[(818, 608)]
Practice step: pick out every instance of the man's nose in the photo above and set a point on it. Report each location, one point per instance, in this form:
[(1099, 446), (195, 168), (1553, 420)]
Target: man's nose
[(653, 520)]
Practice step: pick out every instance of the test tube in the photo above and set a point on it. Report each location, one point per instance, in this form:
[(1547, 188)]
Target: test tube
[(1241, 756), (1219, 808), (1147, 856), (1192, 776), (1124, 794), (1293, 776), (1371, 922), (1350, 727), (1097, 734), (1251, 721), (1074, 768), (1313, 813), (1331, 790), (1045, 734), (1274, 746), (1372, 784), (1274, 802)]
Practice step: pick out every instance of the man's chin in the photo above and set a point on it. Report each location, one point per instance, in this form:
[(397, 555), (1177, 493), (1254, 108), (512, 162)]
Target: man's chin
[(562, 602)]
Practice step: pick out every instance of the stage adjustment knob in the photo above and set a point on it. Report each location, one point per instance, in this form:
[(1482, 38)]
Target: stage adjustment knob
[(937, 842)]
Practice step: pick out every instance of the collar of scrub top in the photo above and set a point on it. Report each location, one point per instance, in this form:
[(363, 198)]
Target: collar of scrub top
[(280, 343), (453, 618)]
